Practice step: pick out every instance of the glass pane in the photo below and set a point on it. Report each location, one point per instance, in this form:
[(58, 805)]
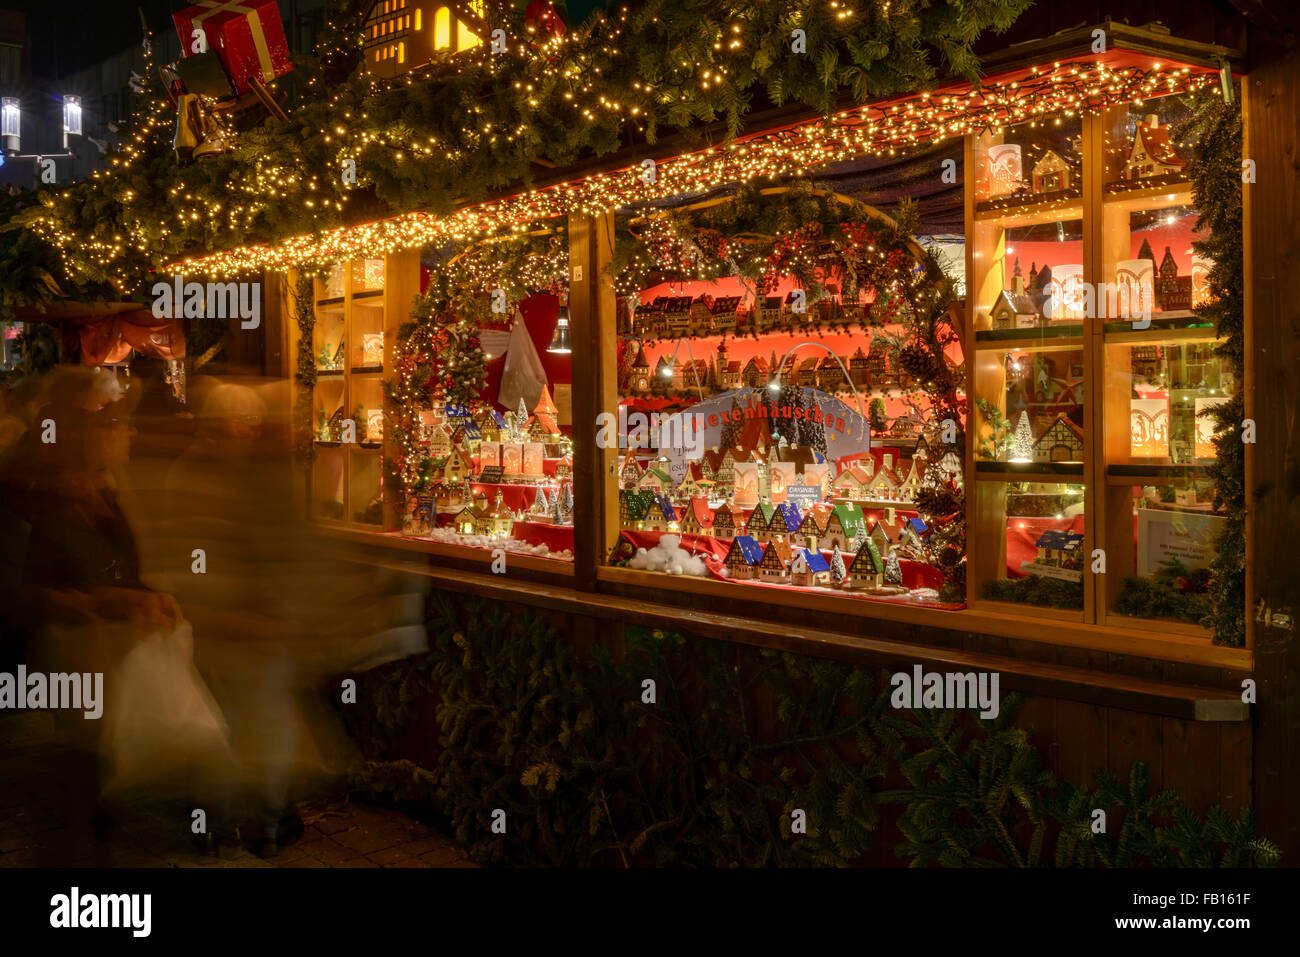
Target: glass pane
[(1044, 546)]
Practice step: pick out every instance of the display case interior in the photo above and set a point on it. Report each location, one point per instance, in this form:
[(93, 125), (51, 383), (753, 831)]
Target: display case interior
[(485, 456), (778, 422)]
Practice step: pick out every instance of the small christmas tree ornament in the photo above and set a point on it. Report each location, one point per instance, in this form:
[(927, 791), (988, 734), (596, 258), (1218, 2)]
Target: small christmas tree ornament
[(1022, 445), (893, 571), (838, 572)]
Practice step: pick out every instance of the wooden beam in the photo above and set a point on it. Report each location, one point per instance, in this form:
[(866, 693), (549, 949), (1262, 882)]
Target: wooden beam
[(1272, 232), (1190, 702)]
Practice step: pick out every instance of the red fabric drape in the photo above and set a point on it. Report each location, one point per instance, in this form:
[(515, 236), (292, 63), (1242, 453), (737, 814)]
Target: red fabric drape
[(112, 338)]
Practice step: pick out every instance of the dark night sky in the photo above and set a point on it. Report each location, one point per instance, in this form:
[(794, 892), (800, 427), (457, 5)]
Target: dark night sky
[(69, 34)]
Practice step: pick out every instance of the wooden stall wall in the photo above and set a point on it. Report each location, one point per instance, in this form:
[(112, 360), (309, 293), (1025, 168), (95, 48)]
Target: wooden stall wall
[(1272, 230)]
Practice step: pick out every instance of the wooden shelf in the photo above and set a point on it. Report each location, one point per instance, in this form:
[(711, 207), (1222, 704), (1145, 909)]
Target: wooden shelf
[(1039, 339), (1138, 473), (334, 301), (1182, 326), (367, 294), (1050, 472), (1035, 212), (329, 374), (367, 370), (1150, 196)]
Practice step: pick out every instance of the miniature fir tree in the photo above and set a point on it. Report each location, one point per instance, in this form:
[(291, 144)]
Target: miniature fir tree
[(566, 500), (557, 511), (893, 571), (838, 572), (1022, 445)]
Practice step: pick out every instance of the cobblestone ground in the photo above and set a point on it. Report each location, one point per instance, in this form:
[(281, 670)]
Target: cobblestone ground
[(42, 824)]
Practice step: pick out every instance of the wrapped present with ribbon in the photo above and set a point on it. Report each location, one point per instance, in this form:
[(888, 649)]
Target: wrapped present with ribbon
[(246, 34)]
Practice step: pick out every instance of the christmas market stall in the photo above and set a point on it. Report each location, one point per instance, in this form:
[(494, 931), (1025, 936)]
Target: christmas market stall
[(876, 360)]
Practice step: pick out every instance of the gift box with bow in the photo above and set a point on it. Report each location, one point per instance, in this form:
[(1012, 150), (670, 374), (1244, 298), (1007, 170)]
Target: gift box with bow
[(246, 34)]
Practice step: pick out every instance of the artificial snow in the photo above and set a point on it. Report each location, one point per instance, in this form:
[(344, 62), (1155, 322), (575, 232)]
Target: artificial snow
[(668, 556)]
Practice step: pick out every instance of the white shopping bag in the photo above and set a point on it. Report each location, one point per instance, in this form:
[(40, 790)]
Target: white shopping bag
[(523, 376), (162, 722)]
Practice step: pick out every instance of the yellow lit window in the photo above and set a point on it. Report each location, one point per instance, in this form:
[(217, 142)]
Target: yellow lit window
[(401, 52), (465, 37), (417, 18), (442, 29)]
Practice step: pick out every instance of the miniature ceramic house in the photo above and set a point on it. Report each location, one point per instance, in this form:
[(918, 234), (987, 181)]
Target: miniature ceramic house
[(727, 520), (743, 557), (867, 569), (633, 507), (808, 567), (466, 521), (1151, 153), (1059, 548), (845, 527), (1014, 308), (697, 517), (1062, 441), (1051, 174), (775, 565), (758, 523)]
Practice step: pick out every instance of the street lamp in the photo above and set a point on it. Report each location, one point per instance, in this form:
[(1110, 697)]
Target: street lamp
[(71, 118), (11, 124), (11, 118)]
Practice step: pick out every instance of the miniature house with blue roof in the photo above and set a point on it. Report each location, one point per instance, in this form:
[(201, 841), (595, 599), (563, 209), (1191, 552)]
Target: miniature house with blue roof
[(743, 557), (810, 568), (1059, 548)]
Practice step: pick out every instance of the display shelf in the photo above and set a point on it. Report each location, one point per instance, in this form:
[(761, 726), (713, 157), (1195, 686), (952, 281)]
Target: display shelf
[(1148, 195), (1026, 471), (1035, 212), (1041, 338)]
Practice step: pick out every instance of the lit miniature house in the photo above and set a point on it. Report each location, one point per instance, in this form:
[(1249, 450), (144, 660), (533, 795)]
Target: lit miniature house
[(757, 526), (868, 569), (466, 521), (1062, 441), (1014, 308), (809, 568), (1059, 548), (1151, 153), (727, 520), (844, 527), (697, 518), (402, 35), (633, 507), (743, 557), (1051, 174), (775, 565)]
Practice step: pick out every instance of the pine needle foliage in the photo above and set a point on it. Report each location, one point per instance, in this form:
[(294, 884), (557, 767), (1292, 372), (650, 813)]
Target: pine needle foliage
[(591, 772)]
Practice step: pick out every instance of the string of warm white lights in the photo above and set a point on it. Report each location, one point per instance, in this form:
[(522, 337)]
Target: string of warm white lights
[(1041, 95)]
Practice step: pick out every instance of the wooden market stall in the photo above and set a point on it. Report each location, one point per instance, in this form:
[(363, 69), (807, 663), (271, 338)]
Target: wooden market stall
[(1076, 556)]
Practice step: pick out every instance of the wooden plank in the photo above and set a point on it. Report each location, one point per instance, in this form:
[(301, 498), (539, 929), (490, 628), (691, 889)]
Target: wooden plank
[(1191, 761), (1080, 753), (1235, 759), (1134, 736), (1272, 393)]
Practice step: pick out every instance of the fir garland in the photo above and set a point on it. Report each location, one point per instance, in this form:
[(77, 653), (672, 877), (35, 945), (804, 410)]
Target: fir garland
[(1215, 173), (474, 122), (304, 310), (591, 776)]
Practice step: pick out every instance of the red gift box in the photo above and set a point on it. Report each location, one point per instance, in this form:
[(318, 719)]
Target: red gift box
[(246, 34)]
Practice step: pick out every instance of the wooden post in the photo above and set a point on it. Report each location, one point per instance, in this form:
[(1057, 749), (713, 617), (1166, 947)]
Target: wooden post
[(1272, 396), (592, 330)]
